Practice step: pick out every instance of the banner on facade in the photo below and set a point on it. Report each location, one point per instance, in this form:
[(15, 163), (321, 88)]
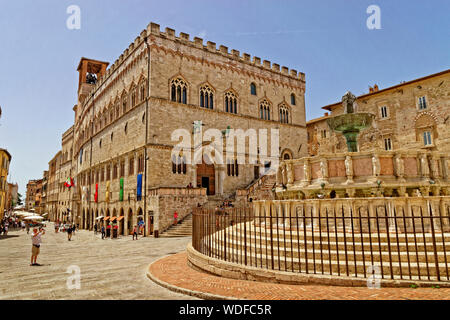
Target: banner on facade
[(121, 190), (139, 187)]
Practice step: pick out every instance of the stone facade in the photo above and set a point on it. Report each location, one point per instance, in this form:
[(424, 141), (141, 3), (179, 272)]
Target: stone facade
[(52, 194), (126, 114), (404, 115), (34, 195), (5, 159)]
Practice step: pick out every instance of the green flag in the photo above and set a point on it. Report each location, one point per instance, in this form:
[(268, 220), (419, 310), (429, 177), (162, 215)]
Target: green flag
[(121, 190)]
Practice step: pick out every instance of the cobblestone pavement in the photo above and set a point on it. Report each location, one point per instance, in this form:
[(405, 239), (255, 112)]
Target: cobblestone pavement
[(170, 268), (110, 269)]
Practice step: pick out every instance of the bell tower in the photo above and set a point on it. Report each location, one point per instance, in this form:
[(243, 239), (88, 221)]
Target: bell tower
[(89, 71)]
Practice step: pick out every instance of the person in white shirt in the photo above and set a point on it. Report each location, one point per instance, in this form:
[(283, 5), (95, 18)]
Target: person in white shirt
[(36, 244)]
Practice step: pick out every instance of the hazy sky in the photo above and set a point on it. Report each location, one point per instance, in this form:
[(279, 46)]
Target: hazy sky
[(327, 40)]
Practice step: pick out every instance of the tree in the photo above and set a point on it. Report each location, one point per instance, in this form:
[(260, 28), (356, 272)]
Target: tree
[(19, 199)]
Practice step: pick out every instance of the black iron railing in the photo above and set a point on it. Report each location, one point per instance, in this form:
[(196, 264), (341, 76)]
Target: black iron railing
[(386, 241)]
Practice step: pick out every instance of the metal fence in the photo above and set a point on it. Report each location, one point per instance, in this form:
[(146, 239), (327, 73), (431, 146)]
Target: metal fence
[(342, 241)]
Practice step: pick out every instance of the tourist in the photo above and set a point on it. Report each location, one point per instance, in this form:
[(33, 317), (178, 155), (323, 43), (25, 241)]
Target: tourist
[(28, 227), (22, 225), (135, 232), (5, 229), (69, 233), (95, 228), (175, 218), (103, 232), (56, 227), (36, 245)]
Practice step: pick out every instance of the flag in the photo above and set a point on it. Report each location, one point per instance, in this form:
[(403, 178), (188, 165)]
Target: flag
[(139, 187), (121, 190), (69, 182)]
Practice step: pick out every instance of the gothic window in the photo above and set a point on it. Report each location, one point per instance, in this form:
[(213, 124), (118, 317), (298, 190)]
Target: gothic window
[(264, 109), (133, 98), (284, 114), (131, 166), (115, 170), (143, 91), (293, 99), (124, 105), (117, 111), (141, 163), (253, 89), (178, 91), (232, 168), (206, 97), (230, 102), (122, 168), (179, 164)]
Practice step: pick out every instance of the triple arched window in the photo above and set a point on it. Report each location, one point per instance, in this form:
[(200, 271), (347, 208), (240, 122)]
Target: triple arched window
[(264, 110), (230, 102), (284, 114), (206, 97), (179, 164), (178, 91)]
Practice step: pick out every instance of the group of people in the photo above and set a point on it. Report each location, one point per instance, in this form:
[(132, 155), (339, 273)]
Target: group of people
[(70, 228), (14, 223)]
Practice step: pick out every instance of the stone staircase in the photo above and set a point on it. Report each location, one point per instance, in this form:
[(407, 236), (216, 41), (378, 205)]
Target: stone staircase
[(259, 189), (182, 229)]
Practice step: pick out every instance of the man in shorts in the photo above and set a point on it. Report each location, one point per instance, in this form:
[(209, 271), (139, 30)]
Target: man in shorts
[(36, 245)]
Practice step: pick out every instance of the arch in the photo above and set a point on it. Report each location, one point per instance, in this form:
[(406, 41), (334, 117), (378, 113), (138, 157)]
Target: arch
[(287, 154), (230, 101), (178, 89), (265, 108), (253, 89), (130, 222), (206, 96)]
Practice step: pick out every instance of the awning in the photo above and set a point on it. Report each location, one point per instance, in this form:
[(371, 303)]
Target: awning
[(106, 219), (113, 219), (119, 218)]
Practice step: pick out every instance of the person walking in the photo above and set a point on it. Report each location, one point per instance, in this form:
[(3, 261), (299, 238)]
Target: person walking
[(36, 245), (28, 227), (103, 232), (175, 218), (95, 229), (69, 233), (135, 232)]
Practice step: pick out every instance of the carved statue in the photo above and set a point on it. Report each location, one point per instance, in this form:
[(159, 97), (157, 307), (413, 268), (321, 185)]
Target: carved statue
[(283, 173), (279, 176), (348, 166), (424, 166), (290, 174), (324, 168), (434, 168), (399, 166), (348, 102), (306, 175), (376, 166)]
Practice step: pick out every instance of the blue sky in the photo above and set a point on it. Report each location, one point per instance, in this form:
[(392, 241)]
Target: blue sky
[(327, 40)]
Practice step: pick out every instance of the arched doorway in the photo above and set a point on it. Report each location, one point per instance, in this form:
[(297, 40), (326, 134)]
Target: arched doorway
[(140, 220), (206, 177), (121, 223), (130, 221)]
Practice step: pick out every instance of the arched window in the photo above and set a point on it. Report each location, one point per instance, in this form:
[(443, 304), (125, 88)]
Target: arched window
[(264, 109), (293, 99), (133, 97), (253, 89), (206, 97), (284, 114), (230, 102), (117, 110), (178, 91), (179, 164), (143, 91), (124, 104)]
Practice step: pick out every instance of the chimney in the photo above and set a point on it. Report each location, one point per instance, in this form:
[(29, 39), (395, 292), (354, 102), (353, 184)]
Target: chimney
[(370, 89), (375, 88), (326, 114)]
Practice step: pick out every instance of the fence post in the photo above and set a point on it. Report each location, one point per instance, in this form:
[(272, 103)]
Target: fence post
[(436, 260)]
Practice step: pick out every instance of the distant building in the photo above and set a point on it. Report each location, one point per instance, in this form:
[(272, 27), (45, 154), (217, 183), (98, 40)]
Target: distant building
[(34, 195), (412, 115), (5, 160)]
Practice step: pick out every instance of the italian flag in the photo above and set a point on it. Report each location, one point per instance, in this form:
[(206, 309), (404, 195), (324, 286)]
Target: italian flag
[(69, 182)]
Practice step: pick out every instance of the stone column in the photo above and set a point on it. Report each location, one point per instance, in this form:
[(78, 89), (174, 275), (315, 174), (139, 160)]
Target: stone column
[(193, 168), (221, 175), (216, 178)]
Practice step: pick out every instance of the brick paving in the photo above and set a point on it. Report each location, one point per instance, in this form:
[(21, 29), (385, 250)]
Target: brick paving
[(110, 269), (175, 271)]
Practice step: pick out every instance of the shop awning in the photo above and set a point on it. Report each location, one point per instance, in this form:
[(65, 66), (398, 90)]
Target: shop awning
[(106, 219), (113, 219), (119, 218)]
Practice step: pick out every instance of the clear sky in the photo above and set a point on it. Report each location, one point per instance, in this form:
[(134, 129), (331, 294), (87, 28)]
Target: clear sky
[(328, 40)]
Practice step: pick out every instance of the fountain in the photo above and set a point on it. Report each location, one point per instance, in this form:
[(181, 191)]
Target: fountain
[(351, 123)]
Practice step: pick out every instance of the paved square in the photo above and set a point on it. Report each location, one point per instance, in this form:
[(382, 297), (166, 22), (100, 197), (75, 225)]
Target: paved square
[(110, 269)]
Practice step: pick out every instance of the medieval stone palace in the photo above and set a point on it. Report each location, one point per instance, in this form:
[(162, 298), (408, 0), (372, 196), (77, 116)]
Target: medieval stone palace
[(116, 161)]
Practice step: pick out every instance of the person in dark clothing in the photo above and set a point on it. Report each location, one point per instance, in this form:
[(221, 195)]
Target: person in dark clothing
[(69, 233), (103, 232)]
